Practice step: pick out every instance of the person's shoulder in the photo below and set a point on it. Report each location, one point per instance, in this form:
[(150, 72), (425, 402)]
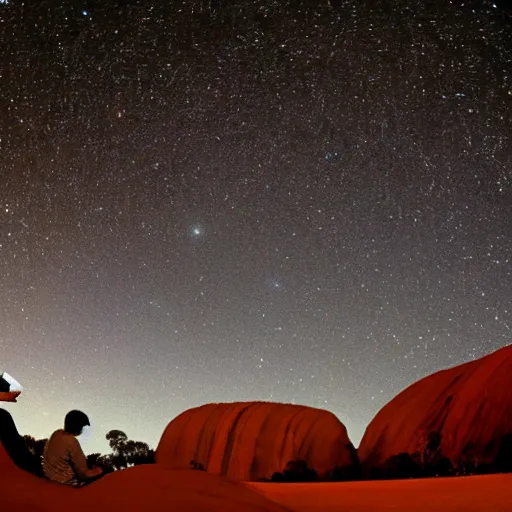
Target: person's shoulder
[(72, 442), (55, 435), (63, 437), (58, 433)]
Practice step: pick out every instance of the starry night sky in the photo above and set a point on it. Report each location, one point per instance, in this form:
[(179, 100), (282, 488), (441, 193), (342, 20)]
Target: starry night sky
[(280, 200)]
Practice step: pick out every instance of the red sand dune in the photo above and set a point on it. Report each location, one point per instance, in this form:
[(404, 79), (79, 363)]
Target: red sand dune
[(469, 494), (252, 440), (470, 405), (150, 487)]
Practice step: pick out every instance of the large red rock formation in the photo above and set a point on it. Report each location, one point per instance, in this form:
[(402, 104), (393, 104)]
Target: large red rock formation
[(150, 488), (469, 405), (252, 440)]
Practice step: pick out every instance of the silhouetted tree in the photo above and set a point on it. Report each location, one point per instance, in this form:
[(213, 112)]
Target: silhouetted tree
[(127, 452), (117, 440), (137, 452)]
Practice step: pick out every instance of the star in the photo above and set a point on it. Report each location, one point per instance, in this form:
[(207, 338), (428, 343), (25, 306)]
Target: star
[(196, 231), (178, 209)]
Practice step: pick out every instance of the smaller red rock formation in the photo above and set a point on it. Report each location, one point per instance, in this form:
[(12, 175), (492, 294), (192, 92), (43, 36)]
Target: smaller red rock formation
[(252, 440)]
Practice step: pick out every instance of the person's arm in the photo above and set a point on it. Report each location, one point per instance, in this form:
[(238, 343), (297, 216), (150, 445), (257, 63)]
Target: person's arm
[(79, 462)]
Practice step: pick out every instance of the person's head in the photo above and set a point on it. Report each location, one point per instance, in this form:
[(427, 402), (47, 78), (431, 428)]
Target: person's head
[(75, 422)]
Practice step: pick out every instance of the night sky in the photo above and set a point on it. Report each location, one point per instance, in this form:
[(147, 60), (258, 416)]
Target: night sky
[(200, 201)]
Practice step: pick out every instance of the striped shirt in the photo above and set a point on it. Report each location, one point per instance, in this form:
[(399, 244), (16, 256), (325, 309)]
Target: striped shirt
[(63, 459)]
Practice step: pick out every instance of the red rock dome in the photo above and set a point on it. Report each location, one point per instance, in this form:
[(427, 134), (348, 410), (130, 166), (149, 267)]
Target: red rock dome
[(252, 440), (469, 405)]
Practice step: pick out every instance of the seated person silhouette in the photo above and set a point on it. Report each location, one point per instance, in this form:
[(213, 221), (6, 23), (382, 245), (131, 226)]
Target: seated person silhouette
[(15, 445), (63, 459)]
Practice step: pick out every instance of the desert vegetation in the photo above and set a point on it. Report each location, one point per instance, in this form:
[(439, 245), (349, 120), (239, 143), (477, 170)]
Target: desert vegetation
[(427, 462), (125, 452)]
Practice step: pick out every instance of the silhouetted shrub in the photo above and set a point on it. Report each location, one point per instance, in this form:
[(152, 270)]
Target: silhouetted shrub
[(150, 458), (296, 471), (432, 460), (349, 472), (401, 466), (503, 462), (197, 466), (433, 442), (277, 477), (105, 462), (428, 461), (36, 446), (468, 463), (345, 473), (126, 452), (441, 466)]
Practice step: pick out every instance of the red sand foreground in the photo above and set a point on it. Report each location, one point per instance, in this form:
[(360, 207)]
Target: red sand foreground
[(491, 493), (143, 488)]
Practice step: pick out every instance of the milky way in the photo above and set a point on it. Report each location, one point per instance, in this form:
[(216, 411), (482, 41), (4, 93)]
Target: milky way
[(217, 201)]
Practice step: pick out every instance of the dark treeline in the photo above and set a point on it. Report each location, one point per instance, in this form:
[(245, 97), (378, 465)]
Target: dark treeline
[(125, 452), (427, 462)]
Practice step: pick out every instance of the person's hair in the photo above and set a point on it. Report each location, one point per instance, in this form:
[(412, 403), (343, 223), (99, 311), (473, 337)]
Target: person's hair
[(15, 445), (75, 421)]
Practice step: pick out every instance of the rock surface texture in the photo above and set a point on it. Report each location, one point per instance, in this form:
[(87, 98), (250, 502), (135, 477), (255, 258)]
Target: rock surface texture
[(469, 405), (252, 440)]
